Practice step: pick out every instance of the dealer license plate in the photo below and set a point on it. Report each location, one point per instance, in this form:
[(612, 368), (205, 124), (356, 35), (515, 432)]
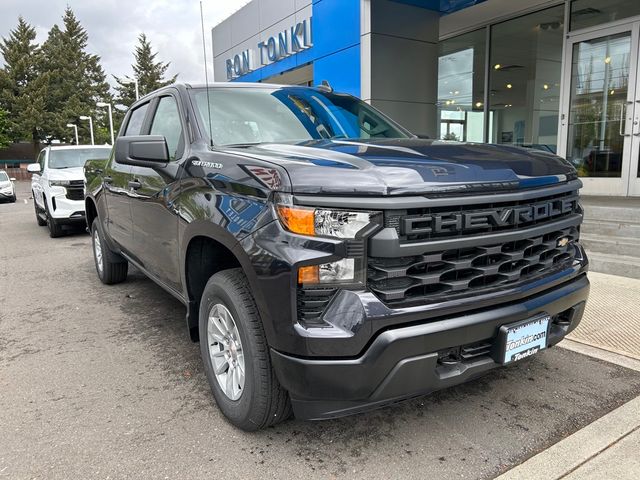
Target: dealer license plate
[(523, 339)]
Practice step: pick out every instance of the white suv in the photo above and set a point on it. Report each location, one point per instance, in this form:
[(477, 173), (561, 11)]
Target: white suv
[(58, 184), (7, 189)]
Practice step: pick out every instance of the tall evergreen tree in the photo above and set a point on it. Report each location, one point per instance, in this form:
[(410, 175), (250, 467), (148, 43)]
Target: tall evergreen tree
[(22, 88), (149, 73), (76, 80), (5, 140)]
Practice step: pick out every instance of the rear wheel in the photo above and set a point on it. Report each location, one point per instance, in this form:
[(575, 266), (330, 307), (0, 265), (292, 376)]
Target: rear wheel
[(236, 355), (110, 266), (41, 222)]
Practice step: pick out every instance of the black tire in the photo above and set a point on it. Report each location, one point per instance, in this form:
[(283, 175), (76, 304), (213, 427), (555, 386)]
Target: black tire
[(263, 401), (111, 267), (55, 229), (41, 222)]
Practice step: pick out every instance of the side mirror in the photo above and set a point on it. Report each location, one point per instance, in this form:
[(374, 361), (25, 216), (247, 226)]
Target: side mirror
[(142, 151), (33, 168), (12, 179)]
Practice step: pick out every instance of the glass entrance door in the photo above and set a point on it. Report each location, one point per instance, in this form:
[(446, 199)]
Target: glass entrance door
[(601, 109)]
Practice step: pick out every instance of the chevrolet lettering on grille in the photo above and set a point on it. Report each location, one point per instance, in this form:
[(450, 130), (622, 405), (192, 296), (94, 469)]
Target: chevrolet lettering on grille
[(454, 222)]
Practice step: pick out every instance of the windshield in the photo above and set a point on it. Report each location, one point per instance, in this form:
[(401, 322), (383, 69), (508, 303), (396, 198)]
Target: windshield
[(3, 177), (257, 115), (76, 157)]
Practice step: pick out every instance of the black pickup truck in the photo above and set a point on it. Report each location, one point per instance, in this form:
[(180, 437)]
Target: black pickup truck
[(330, 261)]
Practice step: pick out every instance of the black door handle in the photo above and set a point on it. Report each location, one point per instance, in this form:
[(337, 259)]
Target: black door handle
[(134, 184), (107, 179)]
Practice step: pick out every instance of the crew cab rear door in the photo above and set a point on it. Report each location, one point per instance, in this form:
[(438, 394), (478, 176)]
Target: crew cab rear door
[(155, 220)]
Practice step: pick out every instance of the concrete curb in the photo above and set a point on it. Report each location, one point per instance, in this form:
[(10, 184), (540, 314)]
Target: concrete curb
[(576, 450), (590, 350)]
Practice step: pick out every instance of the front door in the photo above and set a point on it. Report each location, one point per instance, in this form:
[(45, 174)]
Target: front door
[(600, 121), (155, 219)]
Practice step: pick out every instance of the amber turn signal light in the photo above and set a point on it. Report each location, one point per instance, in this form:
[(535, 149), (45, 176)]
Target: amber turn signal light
[(310, 274), (297, 219)]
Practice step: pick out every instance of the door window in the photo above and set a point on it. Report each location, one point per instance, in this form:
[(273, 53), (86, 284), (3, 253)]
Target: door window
[(41, 159), (166, 122), (136, 119)]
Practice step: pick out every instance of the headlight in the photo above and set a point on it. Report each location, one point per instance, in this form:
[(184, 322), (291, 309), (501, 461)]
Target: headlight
[(58, 183), (342, 271), (325, 222)]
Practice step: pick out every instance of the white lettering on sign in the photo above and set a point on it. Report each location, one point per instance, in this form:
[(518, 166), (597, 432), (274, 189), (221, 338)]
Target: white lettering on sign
[(276, 47)]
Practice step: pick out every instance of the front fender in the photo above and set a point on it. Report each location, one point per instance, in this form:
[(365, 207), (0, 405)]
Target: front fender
[(208, 229)]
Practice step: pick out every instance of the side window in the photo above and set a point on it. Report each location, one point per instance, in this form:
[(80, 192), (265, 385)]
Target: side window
[(136, 120), (41, 159), (166, 122)]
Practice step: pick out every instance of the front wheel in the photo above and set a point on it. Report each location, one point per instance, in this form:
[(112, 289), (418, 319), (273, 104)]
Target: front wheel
[(55, 229), (236, 355), (110, 266), (41, 221)]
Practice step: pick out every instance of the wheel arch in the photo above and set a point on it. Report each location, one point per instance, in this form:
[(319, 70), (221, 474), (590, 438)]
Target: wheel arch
[(90, 211), (208, 249)]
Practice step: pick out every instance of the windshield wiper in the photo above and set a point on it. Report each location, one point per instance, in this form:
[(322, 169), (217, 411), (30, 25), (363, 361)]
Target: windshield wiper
[(241, 145)]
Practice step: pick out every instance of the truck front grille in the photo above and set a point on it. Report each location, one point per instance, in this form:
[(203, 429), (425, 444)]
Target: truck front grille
[(444, 222), (463, 271), (75, 190)]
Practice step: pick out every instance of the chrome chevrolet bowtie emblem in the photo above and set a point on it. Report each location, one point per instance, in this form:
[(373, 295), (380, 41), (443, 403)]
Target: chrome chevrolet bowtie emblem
[(562, 242)]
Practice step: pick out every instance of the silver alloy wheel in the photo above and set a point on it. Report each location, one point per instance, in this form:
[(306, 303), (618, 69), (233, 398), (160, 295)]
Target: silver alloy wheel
[(225, 351), (97, 248)]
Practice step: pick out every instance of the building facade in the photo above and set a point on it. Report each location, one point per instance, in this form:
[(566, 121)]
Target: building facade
[(557, 75)]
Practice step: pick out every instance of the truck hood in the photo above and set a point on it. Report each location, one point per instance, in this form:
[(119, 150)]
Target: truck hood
[(73, 173), (408, 166)]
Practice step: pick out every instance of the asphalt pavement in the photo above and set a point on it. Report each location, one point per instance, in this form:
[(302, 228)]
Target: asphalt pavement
[(102, 382)]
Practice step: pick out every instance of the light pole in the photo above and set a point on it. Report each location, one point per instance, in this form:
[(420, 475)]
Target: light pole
[(108, 105), (84, 117), (129, 81), (75, 128)]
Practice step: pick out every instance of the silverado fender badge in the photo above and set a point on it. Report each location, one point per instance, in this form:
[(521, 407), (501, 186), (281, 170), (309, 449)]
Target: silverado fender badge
[(200, 163)]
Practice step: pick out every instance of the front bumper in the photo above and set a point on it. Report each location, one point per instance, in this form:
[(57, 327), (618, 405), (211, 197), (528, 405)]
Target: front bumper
[(407, 361), (7, 195), (64, 210)]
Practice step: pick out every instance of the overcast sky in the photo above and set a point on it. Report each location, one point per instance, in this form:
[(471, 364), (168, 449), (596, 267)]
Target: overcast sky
[(172, 26)]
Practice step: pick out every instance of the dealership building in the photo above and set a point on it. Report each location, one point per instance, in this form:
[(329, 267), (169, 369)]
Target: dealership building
[(558, 75)]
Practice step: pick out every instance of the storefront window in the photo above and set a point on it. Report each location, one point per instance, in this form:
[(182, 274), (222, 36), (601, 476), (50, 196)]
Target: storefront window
[(599, 89), (525, 69), (461, 87), (587, 13)]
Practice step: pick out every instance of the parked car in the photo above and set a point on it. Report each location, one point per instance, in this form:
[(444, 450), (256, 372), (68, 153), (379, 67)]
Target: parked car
[(58, 185), (330, 261), (7, 188)]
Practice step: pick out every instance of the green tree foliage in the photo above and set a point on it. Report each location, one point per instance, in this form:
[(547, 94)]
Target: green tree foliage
[(76, 81), (23, 89), (5, 140), (149, 72)]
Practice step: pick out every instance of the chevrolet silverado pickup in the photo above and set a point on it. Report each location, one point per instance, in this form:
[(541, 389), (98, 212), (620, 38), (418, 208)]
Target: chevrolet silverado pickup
[(329, 260)]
